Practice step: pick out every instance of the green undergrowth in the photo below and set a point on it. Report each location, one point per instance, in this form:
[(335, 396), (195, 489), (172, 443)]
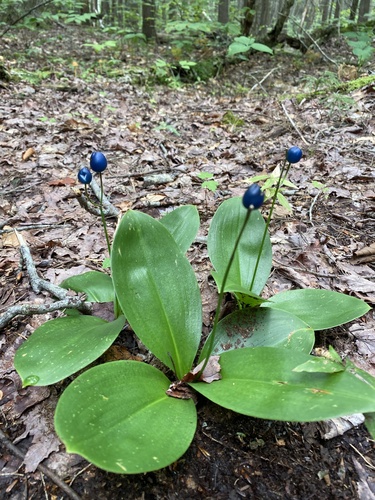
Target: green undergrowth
[(338, 87)]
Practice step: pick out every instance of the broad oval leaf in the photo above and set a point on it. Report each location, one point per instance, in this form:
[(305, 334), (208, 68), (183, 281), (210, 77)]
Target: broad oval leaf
[(183, 224), (63, 346), (261, 47), (157, 290), (96, 285), (224, 229), (256, 327), (118, 417), (260, 382), (320, 309)]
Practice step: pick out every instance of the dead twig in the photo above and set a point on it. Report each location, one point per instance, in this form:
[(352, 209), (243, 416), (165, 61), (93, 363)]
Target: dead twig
[(262, 80), (25, 15), (28, 309), (29, 227), (293, 124), (314, 42), (38, 284), (109, 210), (42, 468)]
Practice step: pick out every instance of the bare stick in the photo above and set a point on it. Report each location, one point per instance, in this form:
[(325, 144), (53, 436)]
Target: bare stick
[(28, 308), (46, 471), (25, 15), (37, 284), (30, 226), (314, 42), (109, 209), (262, 80), (293, 124)]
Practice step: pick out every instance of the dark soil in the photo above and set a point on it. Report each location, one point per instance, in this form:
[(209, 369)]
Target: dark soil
[(63, 120)]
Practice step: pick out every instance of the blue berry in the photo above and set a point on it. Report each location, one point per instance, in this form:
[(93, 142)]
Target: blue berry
[(294, 155), (98, 162), (253, 197), (84, 175)]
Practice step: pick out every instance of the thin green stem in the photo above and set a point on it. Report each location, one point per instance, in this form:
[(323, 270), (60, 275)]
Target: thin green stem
[(102, 213), (283, 174), (221, 294)]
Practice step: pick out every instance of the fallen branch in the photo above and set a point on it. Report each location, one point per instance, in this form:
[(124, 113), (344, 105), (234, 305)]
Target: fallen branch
[(314, 42), (45, 470), (109, 210), (28, 308), (25, 15), (293, 124), (38, 284)]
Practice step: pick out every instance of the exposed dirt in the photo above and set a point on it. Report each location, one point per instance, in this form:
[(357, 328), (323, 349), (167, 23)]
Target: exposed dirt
[(181, 132)]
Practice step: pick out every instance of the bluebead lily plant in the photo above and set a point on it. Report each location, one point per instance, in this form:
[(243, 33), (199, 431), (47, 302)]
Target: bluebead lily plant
[(128, 416)]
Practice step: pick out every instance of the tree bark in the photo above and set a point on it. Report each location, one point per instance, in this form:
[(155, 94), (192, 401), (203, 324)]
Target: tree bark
[(283, 16), (353, 10), (326, 11), (223, 11), (337, 9), (364, 10), (148, 19), (248, 17)]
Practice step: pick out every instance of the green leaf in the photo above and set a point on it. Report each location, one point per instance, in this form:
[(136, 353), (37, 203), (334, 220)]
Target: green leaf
[(96, 285), (107, 263), (370, 423), (320, 365), (62, 346), (205, 175), (240, 45), (261, 48), (224, 229), (183, 224), (321, 309), (210, 185), (118, 417), (242, 294), (157, 290), (260, 382), (284, 202), (261, 327)]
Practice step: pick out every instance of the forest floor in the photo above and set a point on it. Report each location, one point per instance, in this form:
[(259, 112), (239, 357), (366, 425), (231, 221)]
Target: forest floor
[(234, 127)]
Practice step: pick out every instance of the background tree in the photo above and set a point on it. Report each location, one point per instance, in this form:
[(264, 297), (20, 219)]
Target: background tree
[(247, 16), (364, 10), (223, 11), (273, 35), (353, 10), (148, 19)]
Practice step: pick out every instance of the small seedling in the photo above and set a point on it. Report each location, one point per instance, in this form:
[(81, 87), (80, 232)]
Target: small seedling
[(208, 181)]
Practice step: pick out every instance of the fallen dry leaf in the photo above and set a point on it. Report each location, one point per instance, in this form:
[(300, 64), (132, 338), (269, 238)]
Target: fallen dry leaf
[(27, 154)]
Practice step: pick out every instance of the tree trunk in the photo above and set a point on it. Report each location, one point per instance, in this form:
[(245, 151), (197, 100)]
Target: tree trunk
[(283, 16), (364, 10), (223, 11), (353, 10), (148, 19), (326, 11), (248, 17), (337, 9)]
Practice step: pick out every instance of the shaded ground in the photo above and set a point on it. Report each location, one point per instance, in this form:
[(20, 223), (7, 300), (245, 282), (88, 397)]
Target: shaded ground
[(47, 132)]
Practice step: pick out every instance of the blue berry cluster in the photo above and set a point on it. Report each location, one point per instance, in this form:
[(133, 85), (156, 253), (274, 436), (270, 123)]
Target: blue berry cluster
[(98, 163), (253, 197)]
